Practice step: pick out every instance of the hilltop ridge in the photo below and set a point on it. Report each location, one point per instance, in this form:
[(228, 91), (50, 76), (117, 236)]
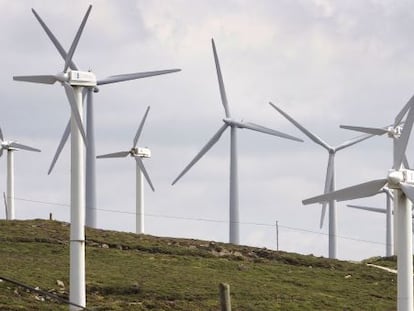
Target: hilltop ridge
[(126, 271)]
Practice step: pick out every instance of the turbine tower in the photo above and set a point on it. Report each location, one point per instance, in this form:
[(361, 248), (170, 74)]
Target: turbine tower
[(330, 176), (234, 125), (10, 146), (73, 82), (388, 223), (137, 154), (401, 180), (90, 181)]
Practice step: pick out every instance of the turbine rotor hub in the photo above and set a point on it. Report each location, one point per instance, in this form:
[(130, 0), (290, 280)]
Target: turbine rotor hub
[(5, 145), (228, 121), (62, 76), (395, 177), (232, 122), (394, 132)]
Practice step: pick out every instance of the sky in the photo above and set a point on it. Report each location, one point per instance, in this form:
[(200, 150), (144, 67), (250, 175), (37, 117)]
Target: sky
[(324, 62)]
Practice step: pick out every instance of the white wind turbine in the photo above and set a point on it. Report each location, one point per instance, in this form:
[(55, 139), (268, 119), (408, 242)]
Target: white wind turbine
[(10, 146), (90, 179), (394, 132), (388, 223), (401, 180), (234, 125), (330, 176), (137, 154), (74, 81)]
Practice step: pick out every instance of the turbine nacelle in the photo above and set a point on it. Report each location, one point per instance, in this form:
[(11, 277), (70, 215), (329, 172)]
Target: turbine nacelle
[(140, 152), (231, 122), (81, 78)]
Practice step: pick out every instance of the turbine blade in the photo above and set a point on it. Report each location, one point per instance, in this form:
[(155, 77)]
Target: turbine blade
[(368, 130), (402, 142), (403, 111), (408, 190), (367, 208), (144, 171), (23, 147), (354, 192), (220, 81), (353, 141), (312, 136), (134, 76), (328, 185), (62, 143), (262, 129), (323, 213), (203, 151), (44, 79), (76, 40), (74, 108), (405, 162), (141, 125), (1, 135), (56, 43), (388, 192), (6, 205), (121, 154), (85, 93)]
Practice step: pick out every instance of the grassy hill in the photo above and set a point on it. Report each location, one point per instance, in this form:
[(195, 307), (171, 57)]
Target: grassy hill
[(126, 271)]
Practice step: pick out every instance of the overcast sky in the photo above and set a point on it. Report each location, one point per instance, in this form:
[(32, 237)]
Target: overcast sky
[(324, 62)]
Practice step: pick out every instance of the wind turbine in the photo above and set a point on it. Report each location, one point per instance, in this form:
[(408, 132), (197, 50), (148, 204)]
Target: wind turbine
[(137, 154), (330, 175), (401, 180), (388, 223), (10, 146), (234, 125), (74, 81), (394, 132), (90, 182)]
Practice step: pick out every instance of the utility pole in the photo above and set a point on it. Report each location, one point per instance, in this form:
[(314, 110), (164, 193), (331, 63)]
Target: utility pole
[(277, 235)]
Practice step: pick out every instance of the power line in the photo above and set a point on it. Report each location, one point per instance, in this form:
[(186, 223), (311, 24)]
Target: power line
[(42, 292), (211, 221), (42, 202)]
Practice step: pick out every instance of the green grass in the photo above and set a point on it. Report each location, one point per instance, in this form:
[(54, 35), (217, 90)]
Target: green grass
[(126, 271)]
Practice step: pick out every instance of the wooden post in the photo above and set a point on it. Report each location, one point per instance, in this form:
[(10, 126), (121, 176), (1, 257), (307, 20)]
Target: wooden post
[(225, 300), (50, 216)]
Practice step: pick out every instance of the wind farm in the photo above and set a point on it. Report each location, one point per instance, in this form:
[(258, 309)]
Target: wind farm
[(246, 190)]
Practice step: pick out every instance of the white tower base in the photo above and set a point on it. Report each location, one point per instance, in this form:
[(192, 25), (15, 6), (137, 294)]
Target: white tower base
[(10, 185), (77, 291), (405, 252), (139, 201)]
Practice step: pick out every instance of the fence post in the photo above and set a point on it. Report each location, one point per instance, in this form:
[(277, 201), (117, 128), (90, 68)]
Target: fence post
[(225, 300)]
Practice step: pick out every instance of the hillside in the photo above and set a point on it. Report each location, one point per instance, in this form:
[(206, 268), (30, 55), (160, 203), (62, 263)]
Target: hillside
[(126, 271)]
